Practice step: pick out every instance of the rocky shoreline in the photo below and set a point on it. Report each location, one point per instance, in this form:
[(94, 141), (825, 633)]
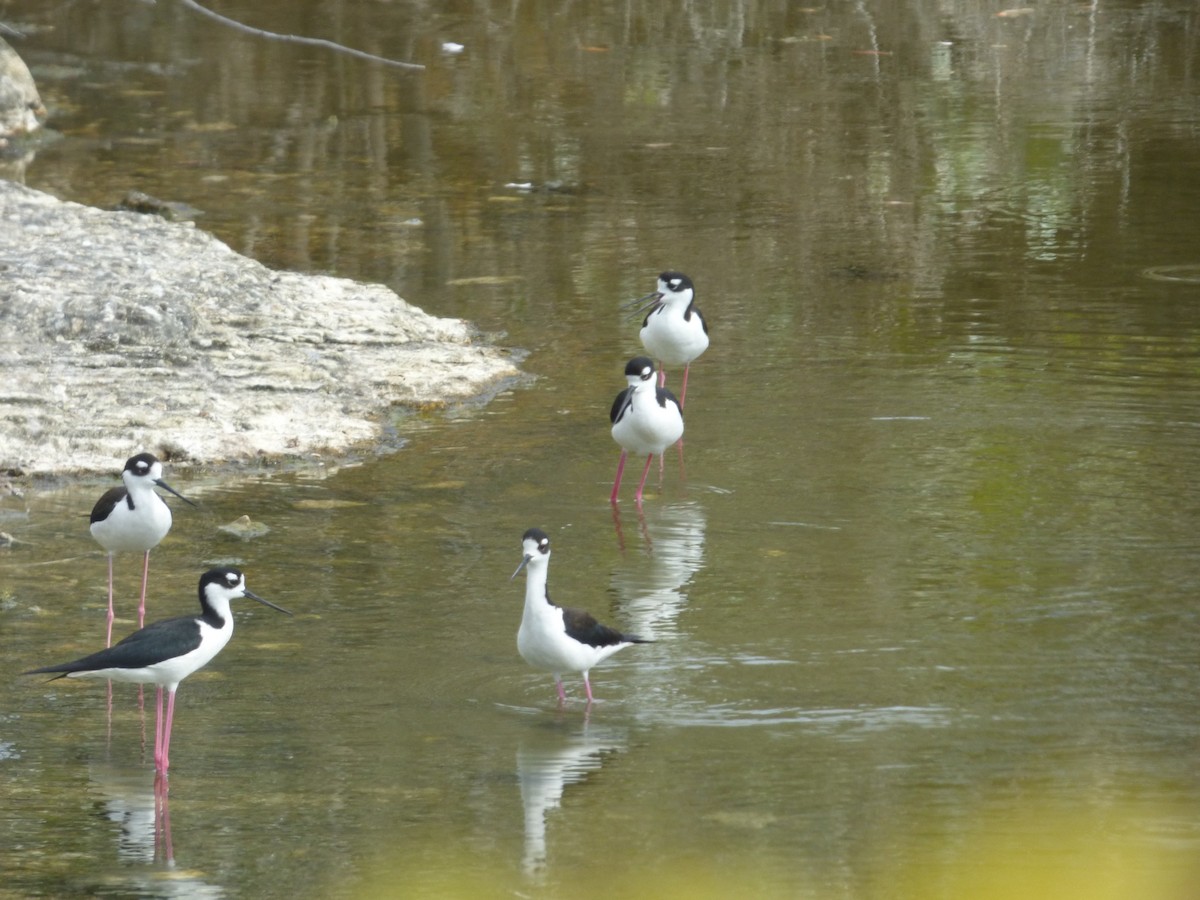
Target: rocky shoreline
[(122, 332)]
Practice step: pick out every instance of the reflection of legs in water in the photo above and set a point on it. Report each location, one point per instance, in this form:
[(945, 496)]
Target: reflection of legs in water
[(162, 820)]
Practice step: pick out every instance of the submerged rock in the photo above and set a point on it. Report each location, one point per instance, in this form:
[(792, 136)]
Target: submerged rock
[(244, 528), (121, 331)]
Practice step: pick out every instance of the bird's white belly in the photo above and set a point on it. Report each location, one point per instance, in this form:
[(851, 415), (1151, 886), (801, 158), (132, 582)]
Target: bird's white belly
[(643, 441), (555, 652), (537, 650), (676, 346), (648, 428), (124, 532)]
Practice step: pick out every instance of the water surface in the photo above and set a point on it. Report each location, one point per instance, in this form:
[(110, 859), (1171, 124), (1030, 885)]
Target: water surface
[(922, 578)]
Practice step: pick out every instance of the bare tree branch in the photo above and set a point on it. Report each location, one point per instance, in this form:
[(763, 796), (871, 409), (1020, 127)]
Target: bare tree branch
[(296, 39)]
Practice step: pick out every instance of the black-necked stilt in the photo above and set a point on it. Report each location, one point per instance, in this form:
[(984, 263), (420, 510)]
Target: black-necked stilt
[(168, 651), (133, 518), (645, 419), (560, 639), (674, 331)]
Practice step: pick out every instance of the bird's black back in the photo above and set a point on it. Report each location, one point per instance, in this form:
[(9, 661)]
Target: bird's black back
[(160, 640), (664, 396), (108, 502), (583, 627)]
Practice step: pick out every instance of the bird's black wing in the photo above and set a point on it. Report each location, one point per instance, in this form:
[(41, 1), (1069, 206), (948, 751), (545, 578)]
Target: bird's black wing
[(583, 627), (664, 397), (620, 405), (154, 643), (107, 503)]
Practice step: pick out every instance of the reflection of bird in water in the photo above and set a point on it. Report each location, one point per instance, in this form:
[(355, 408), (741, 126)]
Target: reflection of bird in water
[(141, 810), (646, 419), (560, 639), (651, 589), (545, 770), (673, 332), (133, 804), (168, 651), (133, 518), (143, 814)]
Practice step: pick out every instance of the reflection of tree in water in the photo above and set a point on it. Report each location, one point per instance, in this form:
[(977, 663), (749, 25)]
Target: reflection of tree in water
[(1011, 135)]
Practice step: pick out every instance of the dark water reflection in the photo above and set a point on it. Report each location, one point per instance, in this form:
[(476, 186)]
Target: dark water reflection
[(923, 581)]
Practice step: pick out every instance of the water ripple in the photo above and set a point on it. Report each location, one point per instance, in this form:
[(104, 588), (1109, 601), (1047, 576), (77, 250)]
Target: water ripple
[(839, 722)]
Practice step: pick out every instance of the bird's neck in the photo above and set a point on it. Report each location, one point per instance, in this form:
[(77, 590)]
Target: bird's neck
[(537, 600), (140, 492), (217, 615), (647, 393)]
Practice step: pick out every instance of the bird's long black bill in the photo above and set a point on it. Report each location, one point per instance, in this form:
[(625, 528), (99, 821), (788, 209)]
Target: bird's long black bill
[(265, 602), (640, 301), (524, 560), (166, 487), (642, 304)]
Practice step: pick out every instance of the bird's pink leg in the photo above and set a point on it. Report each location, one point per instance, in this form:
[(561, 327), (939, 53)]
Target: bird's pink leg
[(617, 482), (662, 375), (683, 392), (646, 471), (145, 578), (111, 615), (166, 747), (158, 731), (587, 684), (562, 694), (142, 715)]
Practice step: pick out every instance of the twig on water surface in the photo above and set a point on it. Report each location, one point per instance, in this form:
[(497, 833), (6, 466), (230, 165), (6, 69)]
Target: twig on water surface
[(297, 39)]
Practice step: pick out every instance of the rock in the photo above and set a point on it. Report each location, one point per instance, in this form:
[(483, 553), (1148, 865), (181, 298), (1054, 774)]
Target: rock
[(121, 332), (21, 109), (244, 528), (172, 211)]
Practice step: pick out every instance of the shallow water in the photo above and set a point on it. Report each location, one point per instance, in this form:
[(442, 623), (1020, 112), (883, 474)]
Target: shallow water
[(922, 578)]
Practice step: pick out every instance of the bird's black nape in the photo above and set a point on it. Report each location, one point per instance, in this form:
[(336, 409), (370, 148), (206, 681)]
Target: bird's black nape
[(140, 463), (641, 366), (535, 534), (676, 281)]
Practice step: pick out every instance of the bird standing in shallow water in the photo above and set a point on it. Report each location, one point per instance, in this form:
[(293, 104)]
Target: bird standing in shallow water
[(674, 330), (645, 419), (133, 518), (168, 651), (560, 639)]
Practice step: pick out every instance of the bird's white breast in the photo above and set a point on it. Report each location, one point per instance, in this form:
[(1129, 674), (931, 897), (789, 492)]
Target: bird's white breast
[(127, 530), (673, 339), (647, 427)]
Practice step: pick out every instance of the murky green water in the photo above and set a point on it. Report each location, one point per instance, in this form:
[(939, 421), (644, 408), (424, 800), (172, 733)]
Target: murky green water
[(923, 582)]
